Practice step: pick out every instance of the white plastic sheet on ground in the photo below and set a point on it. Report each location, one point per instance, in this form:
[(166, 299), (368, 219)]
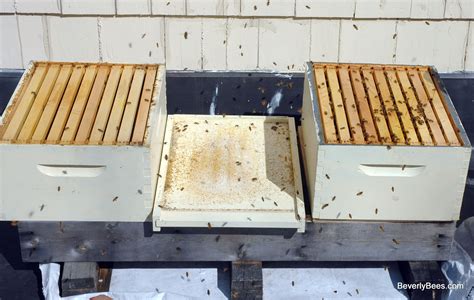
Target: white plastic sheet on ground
[(460, 269), (50, 279), (365, 281)]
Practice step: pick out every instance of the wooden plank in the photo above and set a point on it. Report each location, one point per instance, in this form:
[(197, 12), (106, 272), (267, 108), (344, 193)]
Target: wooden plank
[(247, 280), (322, 241), (423, 272), (410, 131), (439, 108), (92, 105), (103, 114), (370, 133), (376, 107), (10, 109), (415, 109), (14, 126), (65, 107), (38, 105), (118, 107), (79, 278), (51, 106), (431, 118), (131, 107), (75, 117), (351, 107), (145, 101), (392, 115), (325, 105), (338, 104)]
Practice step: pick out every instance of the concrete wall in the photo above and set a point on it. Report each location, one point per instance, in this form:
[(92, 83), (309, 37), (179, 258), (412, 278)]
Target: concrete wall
[(239, 34)]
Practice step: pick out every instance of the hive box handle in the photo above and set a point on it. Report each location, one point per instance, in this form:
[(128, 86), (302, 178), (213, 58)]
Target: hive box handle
[(71, 170), (392, 170)]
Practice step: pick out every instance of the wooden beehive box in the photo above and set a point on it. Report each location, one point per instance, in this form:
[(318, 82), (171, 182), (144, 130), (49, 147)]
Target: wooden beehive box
[(231, 171), (82, 142), (382, 142)]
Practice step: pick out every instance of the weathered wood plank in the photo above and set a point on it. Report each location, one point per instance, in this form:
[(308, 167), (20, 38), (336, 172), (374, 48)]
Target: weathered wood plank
[(79, 278), (322, 241), (423, 272), (247, 280)]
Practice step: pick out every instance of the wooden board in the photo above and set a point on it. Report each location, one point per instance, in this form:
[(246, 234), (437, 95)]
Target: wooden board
[(326, 107), (145, 101), (368, 126), (14, 125), (339, 110), (229, 171), (81, 103), (400, 105), (322, 241)]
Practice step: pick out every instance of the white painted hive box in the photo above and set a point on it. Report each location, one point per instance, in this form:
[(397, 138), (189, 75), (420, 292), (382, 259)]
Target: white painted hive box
[(382, 142), (82, 142), (231, 171)]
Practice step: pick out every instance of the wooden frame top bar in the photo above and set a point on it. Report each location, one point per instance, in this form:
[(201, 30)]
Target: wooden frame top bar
[(70, 103), (391, 104)]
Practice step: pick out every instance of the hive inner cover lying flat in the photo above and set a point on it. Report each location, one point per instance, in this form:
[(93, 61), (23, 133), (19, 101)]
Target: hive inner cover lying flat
[(229, 171)]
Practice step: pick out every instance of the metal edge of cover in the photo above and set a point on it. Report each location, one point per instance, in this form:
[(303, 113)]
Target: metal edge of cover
[(315, 103)]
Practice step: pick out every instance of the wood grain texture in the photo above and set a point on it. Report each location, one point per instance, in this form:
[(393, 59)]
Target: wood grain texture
[(415, 109), (39, 103), (404, 114), (79, 106), (74, 103), (113, 125), (65, 107), (131, 107), (439, 108), (10, 109), (376, 107), (103, 113), (326, 109), (145, 102), (388, 104), (92, 106), (430, 116), (339, 110), (18, 119), (322, 241), (364, 108), (51, 107), (390, 109), (351, 107)]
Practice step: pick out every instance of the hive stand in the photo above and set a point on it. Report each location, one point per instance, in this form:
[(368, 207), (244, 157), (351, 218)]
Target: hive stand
[(98, 242)]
